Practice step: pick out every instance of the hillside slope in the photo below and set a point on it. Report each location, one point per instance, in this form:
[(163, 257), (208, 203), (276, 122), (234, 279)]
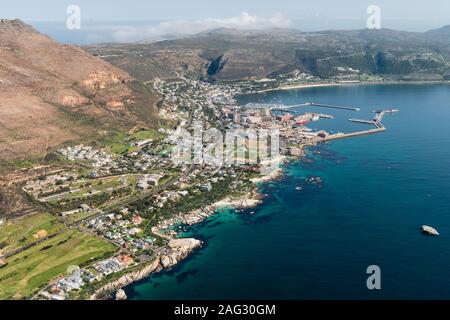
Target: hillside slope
[(51, 93)]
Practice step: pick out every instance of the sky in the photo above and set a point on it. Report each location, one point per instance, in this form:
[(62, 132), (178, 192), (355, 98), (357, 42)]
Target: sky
[(137, 20)]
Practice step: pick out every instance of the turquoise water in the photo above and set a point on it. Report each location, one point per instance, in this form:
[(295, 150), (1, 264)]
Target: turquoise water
[(316, 243)]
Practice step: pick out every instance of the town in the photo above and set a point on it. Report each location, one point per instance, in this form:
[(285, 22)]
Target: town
[(133, 196)]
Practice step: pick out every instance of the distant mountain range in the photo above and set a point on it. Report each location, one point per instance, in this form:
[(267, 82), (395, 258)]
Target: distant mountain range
[(229, 54), (440, 35)]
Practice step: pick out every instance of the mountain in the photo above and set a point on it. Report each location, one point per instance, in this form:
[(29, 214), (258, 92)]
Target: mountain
[(441, 34), (52, 93), (229, 54)]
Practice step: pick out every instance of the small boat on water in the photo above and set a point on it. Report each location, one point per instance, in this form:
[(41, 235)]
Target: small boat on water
[(429, 231)]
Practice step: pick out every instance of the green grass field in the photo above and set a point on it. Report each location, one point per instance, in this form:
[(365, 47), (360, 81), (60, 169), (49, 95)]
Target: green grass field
[(20, 232), (119, 142), (24, 274), (73, 218), (96, 186), (146, 134)]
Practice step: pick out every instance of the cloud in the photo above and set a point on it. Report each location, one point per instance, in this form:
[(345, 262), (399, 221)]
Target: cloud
[(188, 27)]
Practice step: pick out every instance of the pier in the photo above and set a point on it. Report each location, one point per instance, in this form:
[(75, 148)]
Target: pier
[(352, 134), (361, 121), (321, 105), (376, 121)]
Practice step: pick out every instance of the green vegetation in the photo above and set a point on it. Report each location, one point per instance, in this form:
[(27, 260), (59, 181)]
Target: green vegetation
[(9, 166), (196, 200), (146, 134), (74, 218), (119, 142), (24, 274), (93, 191), (24, 164), (116, 142), (21, 232), (85, 188)]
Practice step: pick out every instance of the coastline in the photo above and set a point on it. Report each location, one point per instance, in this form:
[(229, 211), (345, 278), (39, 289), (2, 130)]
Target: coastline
[(181, 248), (165, 228), (304, 86), (296, 86), (340, 84), (275, 174)]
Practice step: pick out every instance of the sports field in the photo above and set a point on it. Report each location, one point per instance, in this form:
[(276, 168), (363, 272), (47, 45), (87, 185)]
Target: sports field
[(24, 274), (17, 233)]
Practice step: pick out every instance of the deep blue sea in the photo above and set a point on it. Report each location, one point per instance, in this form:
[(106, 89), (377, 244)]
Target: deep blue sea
[(317, 242)]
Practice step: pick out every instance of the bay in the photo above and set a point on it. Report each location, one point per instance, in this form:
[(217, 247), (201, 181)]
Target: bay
[(317, 242)]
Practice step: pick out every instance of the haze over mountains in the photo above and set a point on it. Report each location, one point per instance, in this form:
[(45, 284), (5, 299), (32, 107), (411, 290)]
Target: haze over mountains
[(230, 54)]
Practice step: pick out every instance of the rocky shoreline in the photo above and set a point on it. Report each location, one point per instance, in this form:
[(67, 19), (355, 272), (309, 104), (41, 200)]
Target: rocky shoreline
[(246, 201), (179, 250), (276, 174)]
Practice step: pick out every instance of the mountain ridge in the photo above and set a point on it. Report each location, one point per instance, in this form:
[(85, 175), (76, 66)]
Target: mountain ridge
[(249, 54)]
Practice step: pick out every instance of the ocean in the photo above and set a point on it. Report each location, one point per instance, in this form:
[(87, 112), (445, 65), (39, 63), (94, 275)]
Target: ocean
[(316, 240)]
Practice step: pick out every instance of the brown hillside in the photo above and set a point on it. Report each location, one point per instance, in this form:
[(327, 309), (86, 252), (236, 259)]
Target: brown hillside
[(51, 93)]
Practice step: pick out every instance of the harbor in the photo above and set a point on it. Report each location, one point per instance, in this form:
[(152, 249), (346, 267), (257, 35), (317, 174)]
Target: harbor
[(289, 110), (376, 121), (342, 223)]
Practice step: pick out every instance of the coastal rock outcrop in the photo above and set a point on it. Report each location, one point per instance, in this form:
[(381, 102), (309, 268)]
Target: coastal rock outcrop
[(121, 295), (179, 249), (249, 200), (166, 261), (429, 231)]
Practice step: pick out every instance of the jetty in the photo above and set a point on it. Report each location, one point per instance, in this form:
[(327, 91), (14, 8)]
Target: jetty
[(361, 121), (376, 122), (320, 105), (352, 134)]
